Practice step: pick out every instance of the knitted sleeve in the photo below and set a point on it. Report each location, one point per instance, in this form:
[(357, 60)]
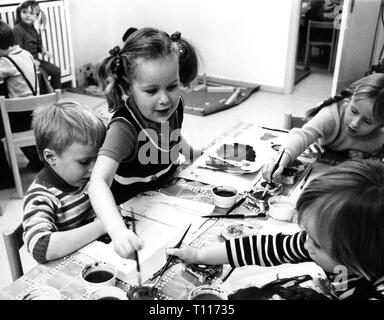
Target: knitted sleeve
[(40, 207), (19, 36), (267, 250), (323, 127)]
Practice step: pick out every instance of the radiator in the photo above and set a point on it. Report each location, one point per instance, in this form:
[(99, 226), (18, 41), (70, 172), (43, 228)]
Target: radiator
[(56, 37)]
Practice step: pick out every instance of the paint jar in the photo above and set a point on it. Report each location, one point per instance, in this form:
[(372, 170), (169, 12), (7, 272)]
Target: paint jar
[(281, 208), (207, 292), (108, 293), (224, 196), (143, 293), (98, 274)]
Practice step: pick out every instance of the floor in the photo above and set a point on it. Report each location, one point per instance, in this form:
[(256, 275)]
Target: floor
[(263, 108)]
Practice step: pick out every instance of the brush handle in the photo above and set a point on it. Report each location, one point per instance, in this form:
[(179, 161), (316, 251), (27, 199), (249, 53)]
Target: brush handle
[(171, 257)]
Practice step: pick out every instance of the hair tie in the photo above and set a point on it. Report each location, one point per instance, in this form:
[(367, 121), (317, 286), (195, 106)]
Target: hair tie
[(176, 36), (115, 51), (346, 93)]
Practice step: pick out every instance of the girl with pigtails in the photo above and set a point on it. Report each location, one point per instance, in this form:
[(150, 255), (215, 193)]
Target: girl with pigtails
[(351, 122), (142, 82)]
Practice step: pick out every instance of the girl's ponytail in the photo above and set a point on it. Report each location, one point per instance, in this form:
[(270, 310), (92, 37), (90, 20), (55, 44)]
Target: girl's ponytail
[(188, 61), (108, 75), (331, 100)]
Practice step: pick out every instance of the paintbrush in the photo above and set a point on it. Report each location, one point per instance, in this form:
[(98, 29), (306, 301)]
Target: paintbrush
[(306, 177), (234, 216), (170, 258), (136, 253), (275, 167)]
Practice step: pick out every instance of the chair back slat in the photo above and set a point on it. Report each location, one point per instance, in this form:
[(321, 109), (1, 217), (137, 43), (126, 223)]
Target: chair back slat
[(29, 103)]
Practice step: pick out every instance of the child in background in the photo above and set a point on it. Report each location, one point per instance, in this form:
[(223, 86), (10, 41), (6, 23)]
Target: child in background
[(141, 149), (18, 73), (30, 39), (21, 81), (342, 212), (350, 122), (58, 216)]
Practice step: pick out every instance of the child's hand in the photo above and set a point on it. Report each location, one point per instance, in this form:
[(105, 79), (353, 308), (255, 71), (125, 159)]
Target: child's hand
[(126, 242), (267, 170), (47, 53), (356, 155), (187, 254)]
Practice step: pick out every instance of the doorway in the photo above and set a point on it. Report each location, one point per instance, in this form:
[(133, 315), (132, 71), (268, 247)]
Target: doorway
[(320, 59)]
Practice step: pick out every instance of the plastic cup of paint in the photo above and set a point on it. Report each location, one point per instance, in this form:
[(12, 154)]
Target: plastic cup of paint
[(98, 274)]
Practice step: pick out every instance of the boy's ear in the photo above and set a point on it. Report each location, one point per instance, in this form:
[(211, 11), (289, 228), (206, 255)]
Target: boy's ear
[(50, 156)]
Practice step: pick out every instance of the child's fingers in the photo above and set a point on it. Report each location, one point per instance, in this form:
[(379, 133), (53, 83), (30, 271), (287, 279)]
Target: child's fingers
[(173, 252), (278, 173), (267, 170), (136, 242)]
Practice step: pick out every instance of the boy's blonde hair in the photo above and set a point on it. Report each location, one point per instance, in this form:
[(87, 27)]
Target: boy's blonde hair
[(66, 122)]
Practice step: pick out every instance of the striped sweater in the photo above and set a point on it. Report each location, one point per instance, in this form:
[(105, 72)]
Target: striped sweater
[(272, 250), (51, 205)]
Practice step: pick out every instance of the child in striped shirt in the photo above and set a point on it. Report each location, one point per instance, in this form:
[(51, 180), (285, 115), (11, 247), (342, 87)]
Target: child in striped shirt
[(342, 214), (58, 216)]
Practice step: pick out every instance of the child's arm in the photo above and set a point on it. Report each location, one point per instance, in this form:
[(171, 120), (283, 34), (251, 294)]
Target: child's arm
[(324, 124), (215, 254), (65, 242), (41, 235), (125, 242), (238, 252)]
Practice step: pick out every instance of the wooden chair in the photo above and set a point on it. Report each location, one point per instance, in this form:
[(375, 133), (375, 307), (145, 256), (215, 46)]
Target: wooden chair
[(13, 242), (25, 138), (311, 41), (291, 121)]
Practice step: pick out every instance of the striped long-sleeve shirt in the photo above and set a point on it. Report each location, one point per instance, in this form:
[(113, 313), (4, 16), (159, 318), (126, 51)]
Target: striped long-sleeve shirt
[(51, 205), (272, 250)]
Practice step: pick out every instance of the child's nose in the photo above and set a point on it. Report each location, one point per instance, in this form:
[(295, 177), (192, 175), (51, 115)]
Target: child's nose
[(164, 98), (355, 123)]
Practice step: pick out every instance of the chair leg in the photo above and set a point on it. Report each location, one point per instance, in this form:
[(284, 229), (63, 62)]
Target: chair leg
[(330, 63), (6, 152), (15, 171), (306, 57)]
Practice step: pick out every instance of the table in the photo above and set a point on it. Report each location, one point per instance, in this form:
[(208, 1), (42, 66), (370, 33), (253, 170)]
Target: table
[(64, 274)]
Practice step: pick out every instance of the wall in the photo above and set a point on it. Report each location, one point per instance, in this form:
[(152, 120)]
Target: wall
[(244, 40)]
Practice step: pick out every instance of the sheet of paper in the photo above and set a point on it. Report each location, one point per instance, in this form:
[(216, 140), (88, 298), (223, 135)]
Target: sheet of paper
[(169, 210), (261, 140), (157, 237)]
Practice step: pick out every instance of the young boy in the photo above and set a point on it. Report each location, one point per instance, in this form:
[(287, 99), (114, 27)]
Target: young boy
[(58, 217)]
